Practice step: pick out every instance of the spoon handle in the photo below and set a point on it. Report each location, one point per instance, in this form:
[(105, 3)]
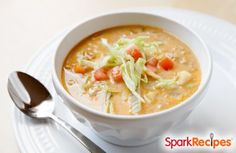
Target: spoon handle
[(88, 144)]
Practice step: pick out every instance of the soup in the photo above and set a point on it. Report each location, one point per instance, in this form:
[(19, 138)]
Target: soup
[(131, 70)]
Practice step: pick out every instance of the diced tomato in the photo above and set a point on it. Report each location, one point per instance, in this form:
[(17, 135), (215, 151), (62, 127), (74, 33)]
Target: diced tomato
[(101, 74), (80, 69), (152, 62), (116, 74), (134, 51), (166, 64)]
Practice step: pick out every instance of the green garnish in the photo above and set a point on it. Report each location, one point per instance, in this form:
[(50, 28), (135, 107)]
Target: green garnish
[(134, 104), (165, 83)]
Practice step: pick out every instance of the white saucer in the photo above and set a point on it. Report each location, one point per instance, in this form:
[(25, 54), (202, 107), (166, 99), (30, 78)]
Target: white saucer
[(217, 112)]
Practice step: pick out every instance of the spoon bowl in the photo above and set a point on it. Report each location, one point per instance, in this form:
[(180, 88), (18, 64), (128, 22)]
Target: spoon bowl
[(34, 100), (30, 96)]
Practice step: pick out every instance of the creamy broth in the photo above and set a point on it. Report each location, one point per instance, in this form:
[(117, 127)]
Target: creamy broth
[(131, 70)]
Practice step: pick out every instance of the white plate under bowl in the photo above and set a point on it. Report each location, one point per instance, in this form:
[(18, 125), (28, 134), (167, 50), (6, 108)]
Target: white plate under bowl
[(217, 112)]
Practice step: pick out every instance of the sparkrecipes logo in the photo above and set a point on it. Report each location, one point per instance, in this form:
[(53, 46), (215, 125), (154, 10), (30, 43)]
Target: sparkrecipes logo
[(197, 142)]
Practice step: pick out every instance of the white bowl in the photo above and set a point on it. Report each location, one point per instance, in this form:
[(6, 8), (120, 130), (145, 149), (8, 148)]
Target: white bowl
[(123, 129)]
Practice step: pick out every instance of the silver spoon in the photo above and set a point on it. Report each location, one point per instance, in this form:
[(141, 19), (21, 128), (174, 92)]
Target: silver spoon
[(34, 100)]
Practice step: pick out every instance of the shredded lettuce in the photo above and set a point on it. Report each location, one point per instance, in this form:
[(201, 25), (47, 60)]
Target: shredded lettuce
[(97, 87), (150, 49), (131, 84), (138, 41), (109, 61), (105, 43), (125, 94), (123, 43), (132, 72), (103, 95), (134, 104), (86, 83), (107, 103), (165, 83), (118, 49), (181, 78), (152, 74), (116, 56), (139, 66), (88, 63)]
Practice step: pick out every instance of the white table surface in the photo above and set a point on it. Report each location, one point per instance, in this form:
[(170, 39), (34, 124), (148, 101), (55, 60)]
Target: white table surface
[(26, 25)]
